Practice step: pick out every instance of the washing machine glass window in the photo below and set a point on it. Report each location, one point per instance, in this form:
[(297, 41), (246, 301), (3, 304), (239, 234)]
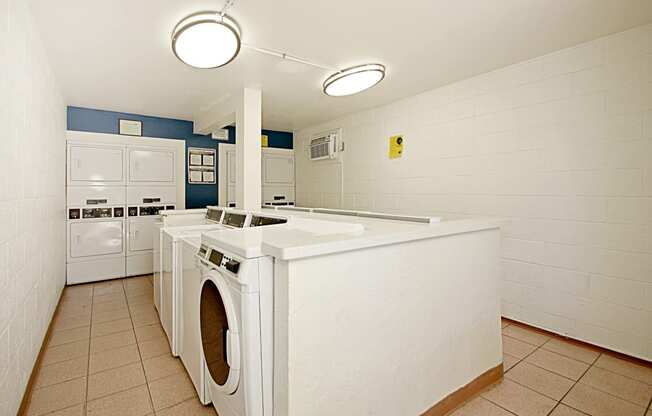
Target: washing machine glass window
[(219, 337)]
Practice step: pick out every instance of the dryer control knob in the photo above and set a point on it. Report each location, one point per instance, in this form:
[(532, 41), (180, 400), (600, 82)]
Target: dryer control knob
[(232, 266)]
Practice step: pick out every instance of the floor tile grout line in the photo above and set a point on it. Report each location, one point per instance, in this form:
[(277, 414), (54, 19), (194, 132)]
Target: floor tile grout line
[(573, 386), (523, 359), (572, 358), (99, 372), (551, 371), (610, 394), (88, 366), (525, 342), (619, 374), (104, 396), (526, 356), (526, 387), (531, 389), (140, 355), (497, 405)]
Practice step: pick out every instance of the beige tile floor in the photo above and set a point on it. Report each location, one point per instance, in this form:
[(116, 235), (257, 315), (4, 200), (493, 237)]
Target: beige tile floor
[(548, 375), (108, 355)]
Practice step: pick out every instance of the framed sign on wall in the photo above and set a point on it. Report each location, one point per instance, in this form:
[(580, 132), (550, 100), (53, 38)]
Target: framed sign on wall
[(201, 166), (130, 127)]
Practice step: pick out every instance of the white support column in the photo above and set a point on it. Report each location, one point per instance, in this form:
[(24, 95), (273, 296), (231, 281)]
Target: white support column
[(248, 125)]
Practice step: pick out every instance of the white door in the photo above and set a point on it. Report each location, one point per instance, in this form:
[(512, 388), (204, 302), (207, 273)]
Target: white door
[(278, 169), (96, 238), (141, 233), (151, 165), (95, 164)]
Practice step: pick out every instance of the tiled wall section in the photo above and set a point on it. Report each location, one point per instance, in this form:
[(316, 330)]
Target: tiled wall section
[(32, 196), (561, 145)]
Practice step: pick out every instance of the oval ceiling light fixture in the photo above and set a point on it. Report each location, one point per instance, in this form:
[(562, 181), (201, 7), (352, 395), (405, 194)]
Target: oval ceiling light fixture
[(354, 80), (206, 40)]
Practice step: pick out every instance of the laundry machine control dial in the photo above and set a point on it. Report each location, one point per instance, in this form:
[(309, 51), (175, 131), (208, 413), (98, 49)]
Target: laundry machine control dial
[(232, 266)]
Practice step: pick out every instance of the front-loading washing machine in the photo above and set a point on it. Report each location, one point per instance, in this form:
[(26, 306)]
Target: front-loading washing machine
[(236, 331), (192, 259)]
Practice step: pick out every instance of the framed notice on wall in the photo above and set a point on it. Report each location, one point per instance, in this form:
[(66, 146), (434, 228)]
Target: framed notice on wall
[(201, 166), (130, 127)]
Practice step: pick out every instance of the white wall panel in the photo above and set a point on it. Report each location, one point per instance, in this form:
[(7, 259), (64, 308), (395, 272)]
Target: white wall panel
[(560, 145), (32, 199)]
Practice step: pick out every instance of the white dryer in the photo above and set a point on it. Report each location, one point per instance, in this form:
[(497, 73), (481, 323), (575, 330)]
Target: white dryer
[(95, 233), (95, 164)]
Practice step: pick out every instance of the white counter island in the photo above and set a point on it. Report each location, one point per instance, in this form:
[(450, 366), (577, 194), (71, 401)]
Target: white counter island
[(376, 317)]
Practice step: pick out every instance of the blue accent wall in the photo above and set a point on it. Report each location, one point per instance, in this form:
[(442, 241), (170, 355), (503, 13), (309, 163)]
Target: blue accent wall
[(197, 196), (278, 139)]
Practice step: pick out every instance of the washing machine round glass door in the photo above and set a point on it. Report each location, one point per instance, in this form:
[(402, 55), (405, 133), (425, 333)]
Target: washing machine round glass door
[(219, 333)]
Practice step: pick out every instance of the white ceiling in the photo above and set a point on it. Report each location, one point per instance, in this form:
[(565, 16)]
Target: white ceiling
[(116, 55)]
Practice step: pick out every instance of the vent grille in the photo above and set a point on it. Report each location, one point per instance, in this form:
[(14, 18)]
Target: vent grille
[(323, 146)]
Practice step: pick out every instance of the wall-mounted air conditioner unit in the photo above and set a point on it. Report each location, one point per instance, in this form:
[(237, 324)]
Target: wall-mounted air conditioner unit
[(325, 145)]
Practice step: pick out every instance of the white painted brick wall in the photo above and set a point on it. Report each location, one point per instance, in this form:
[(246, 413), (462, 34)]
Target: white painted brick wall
[(32, 196), (560, 145)]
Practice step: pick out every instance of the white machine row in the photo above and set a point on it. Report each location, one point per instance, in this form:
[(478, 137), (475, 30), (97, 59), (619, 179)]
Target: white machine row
[(277, 176), (169, 265), (117, 189), (216, 299)]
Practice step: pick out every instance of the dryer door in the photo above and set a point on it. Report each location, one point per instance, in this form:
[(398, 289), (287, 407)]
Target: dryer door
[(151, 165), (141, 233), (100, 164), (219, 334), (96, 238)]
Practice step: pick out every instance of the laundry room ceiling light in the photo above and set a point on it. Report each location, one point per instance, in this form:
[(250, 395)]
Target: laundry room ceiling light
[(354, 80), (206, 40), (212, 39)]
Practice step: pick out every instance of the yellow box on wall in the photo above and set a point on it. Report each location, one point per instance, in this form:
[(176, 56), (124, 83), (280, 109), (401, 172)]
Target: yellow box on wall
[(395, 147), (264, 140)]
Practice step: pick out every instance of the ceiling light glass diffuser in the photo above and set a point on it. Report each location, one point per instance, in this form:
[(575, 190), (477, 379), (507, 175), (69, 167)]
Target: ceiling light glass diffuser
[(206, 40), (354, 80)]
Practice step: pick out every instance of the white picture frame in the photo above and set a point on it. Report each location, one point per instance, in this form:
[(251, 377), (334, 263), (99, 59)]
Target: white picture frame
[(130, 127)]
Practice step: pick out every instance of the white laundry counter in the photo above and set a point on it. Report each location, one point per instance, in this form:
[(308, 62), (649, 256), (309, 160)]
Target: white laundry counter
[(377, 317)]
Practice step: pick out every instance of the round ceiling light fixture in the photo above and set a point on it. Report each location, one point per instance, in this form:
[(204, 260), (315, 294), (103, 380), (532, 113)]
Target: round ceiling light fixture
[(206, 40), (354, 80)]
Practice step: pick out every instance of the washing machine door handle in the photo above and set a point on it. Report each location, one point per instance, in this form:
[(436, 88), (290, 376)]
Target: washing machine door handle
[(232, 350)]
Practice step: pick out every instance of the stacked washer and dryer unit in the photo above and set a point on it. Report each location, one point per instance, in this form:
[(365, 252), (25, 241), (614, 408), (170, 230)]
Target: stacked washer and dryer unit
[(117, 186)]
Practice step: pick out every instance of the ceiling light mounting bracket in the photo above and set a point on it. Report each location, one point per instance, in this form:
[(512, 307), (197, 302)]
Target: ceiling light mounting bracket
[(226, 7)]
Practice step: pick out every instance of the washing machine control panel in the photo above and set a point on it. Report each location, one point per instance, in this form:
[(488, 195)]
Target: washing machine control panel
[(214, 215), (218, 259), (232, 265), (257, 221)]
